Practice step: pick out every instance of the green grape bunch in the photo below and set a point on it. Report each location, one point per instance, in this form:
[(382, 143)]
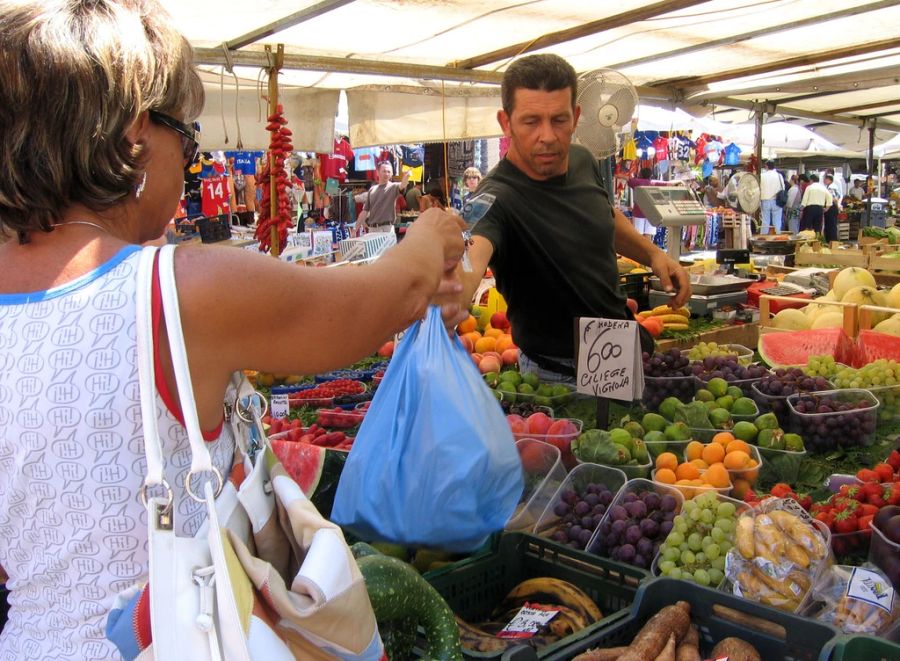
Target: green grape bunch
[(881, 377)]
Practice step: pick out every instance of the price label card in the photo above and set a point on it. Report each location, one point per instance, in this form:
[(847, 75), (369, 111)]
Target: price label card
[(609, 359), (872, 588), (528, 622), (280, 406)]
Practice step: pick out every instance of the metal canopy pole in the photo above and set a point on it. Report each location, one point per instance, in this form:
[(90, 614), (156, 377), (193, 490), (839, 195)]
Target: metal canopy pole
[(757, 149), (870, 168)]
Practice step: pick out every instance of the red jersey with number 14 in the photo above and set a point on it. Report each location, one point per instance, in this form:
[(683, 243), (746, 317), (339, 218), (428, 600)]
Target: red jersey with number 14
[(214, 196)]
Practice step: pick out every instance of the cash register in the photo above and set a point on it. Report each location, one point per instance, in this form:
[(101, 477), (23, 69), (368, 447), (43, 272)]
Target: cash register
[(670, 206)]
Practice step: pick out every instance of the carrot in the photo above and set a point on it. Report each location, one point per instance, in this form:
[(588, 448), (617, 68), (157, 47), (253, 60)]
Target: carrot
[(607, 654), (668, 653), (654, 635)]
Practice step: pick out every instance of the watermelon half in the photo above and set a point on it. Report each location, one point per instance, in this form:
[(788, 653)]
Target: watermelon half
[(872, 345), (795, 347), (316, 470)]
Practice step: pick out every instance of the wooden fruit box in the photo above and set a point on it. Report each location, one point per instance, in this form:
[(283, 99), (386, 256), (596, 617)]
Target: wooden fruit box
[(849, 310), (866, 313), (843, 259), (885, 263), (744, 334)]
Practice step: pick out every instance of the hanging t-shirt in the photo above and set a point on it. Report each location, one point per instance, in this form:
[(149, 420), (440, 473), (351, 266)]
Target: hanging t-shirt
[(700, 146), (644, 145), (732, 154), (713, 151), (683, 148), (334, 166), (366, 158), (245, 161), (214, 196), (661, 145), (342, 147), (629, 151), (413, 155)]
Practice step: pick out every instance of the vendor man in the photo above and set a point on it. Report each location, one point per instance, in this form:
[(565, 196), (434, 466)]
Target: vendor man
[(551, 236)]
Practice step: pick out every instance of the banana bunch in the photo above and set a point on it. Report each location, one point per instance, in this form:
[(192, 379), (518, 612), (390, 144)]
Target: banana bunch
[(576, 612), (673, 319)]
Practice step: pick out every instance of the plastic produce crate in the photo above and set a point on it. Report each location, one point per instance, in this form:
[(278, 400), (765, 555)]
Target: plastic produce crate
[(214, 228), (473, 588), (776, 635), (862, 648)]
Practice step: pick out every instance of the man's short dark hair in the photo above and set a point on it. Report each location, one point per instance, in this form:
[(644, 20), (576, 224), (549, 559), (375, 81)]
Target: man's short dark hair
[(829, 176), (770, 164), (545, 72), (646, 173), (814, 177)]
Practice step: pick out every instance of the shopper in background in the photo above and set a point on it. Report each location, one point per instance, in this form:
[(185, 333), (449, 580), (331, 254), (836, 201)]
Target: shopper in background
[(832, 210), (471, 179), (792, 208), (816, 199), (638, 219), (380, 207), (857, 191), (713, 194), (551, 235), (434, 198), (770, 184), (78, 209), (413, 194)]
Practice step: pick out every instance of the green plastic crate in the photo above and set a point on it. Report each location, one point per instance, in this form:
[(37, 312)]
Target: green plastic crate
[(862, 648), (776, 635), (473, 588)]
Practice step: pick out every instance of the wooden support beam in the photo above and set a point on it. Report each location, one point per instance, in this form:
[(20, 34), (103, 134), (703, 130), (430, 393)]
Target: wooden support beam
[(284, 23), (869, 106), (583, 30)]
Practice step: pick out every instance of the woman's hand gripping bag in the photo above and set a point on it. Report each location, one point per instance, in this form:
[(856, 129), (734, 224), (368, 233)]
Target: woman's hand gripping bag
[(434, 463)]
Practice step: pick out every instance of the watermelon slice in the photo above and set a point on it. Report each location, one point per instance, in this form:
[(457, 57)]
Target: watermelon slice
[(316, 470), (872, 345), (795, 347)]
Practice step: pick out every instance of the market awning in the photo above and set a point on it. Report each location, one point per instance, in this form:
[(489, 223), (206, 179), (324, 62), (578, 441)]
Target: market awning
[(817, 61)]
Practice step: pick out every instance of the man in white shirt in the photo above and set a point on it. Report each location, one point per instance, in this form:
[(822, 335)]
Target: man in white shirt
[(831, 212), (857, 191), (816, 199), (770, 183)]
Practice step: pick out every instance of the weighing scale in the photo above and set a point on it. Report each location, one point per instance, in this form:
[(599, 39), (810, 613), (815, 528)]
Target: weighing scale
[(670, 206), (710, 292)]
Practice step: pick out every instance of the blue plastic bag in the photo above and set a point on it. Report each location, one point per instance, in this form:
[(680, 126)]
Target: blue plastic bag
[(434, 463)]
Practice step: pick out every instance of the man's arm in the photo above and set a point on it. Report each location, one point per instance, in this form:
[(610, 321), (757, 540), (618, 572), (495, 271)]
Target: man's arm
[(404, 181), (632, 244)]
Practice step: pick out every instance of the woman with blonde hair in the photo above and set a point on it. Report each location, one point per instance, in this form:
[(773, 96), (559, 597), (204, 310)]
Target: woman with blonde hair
[(97, 107)]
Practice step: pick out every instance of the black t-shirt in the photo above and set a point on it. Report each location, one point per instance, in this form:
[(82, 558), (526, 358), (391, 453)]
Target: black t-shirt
[(554, 255)]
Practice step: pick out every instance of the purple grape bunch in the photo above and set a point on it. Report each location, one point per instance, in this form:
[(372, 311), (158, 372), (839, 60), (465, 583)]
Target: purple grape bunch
[(635, 527), (828, 421), (728, 368), (771, 392), (660, 368), (580, 511)]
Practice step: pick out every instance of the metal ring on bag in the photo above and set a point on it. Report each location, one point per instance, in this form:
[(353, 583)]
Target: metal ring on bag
[(243, 412), (190, 492), (170, 497)]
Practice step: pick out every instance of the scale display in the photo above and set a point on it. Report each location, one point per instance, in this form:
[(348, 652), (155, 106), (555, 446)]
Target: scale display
[(669, 206)]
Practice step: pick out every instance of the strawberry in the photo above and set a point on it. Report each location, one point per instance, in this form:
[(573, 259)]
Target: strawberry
[(849, 491), (867, 475), (864, 522), (845, 504), (865, 509), (884, 471), (751, 497), (878, 495), (826, 517), (845, 521), (805, 501), (894, 460), (894, 498), (782, 490)]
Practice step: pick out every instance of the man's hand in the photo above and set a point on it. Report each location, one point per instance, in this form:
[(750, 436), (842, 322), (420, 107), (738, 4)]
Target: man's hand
[(672, 276)]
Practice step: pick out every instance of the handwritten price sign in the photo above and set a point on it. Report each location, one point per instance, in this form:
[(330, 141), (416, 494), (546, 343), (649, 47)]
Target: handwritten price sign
[(609, 360)]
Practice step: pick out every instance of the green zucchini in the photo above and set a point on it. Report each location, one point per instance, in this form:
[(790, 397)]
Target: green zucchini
[(399, 638), (397, 592)]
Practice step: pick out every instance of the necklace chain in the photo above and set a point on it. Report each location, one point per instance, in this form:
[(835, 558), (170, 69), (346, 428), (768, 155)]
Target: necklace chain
[(81, 222)]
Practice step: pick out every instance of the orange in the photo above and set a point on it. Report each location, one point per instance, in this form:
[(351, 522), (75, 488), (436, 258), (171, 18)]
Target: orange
[(737, 460), (505, 342), (687, 472), (493, 332), (485, 344), (472, 335), (665, 475), (717, 476), (667, 460), (699, 463), (467, 325), (694, 450), (713, 453), (723, 438), (737, 445)]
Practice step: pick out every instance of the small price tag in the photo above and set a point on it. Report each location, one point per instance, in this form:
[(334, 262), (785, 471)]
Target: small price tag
[(609, 359), (280, 406), (867, 586), (530, 619)]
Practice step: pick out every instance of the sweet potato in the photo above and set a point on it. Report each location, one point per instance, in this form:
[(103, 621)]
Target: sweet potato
[(668, 653), (689, 647), (736, 650), (607, 654), (654, 635)]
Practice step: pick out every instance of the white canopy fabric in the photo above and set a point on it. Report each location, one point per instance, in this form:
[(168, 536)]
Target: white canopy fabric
[(821, 61)]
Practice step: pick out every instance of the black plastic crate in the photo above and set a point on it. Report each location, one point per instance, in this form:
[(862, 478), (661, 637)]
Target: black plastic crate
[(214, 228), (473, 588), (859, 648), (776, 635)]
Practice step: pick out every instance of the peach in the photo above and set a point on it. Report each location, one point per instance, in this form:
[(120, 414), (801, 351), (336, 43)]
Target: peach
[(510, 356), (489, 364), (539, 423)]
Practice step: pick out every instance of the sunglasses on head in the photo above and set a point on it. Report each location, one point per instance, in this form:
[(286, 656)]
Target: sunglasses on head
[(190, 135)]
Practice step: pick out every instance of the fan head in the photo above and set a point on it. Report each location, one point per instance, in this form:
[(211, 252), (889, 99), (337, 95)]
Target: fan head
[(748, 193), (608, 103)]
